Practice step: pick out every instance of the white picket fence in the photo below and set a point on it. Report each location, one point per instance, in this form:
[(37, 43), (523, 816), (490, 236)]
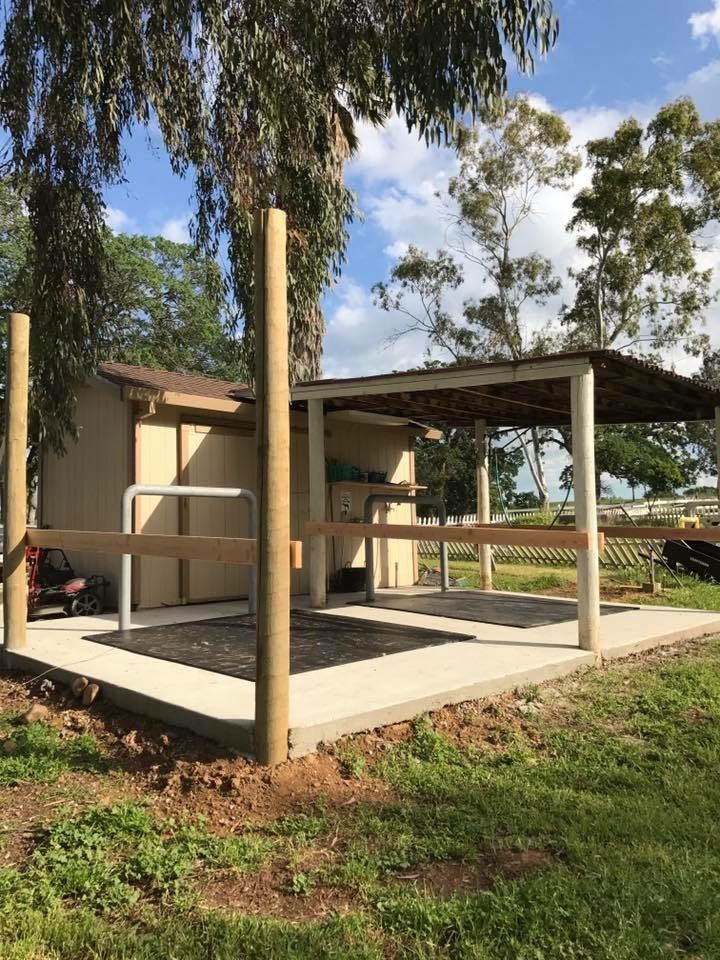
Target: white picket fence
[(617, 552)]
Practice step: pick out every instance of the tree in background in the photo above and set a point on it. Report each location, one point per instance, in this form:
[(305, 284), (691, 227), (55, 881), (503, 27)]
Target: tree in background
[(159, 309), (505, 162), (257, 102), (159, 312), (640, 222), (447, 468), (647, 457)]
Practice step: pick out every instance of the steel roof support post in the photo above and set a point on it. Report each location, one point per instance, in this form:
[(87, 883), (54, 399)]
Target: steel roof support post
[(582, 405)]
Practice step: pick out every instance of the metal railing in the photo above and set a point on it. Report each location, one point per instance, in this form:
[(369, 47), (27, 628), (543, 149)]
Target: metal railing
[(173, 490)]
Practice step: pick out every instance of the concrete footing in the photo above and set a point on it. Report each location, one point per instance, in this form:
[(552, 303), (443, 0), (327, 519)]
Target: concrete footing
[(329, 703)]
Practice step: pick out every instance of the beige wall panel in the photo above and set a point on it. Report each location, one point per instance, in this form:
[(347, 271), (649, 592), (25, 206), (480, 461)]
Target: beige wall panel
[(83, 489), (218, 458), (157, 581), (372, 447)]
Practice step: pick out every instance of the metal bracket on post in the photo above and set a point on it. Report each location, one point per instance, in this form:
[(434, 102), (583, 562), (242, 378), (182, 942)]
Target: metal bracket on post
[(172, 490), (422, 499)]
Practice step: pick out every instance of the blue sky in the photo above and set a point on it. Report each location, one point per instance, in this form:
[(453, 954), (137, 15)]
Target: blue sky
[(614, 58)]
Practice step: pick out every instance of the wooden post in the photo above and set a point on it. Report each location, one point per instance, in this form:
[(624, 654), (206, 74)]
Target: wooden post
[(482, 473), (582, 401), (316, 458), (273, 453), (717, 447), (16, 407)]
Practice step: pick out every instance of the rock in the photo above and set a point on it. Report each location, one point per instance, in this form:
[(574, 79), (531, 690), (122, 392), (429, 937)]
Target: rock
[(9, 747), (78, 686), (90, 694), (38, 713)]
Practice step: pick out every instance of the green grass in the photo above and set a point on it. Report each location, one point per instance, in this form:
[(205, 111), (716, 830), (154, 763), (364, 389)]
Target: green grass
[(109, 857), (41, 755), (532, 578), (615, 777)]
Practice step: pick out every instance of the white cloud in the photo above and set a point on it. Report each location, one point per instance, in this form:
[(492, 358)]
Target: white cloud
[(356, 341), (117, 220), (176, 229), (398, 179), (703, 85), (706, 24)]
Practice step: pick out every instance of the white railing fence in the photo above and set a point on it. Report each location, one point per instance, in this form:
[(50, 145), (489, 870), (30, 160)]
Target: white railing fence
[(617, 553)]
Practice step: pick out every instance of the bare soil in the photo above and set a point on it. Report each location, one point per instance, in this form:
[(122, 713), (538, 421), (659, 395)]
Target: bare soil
[(451, 878)]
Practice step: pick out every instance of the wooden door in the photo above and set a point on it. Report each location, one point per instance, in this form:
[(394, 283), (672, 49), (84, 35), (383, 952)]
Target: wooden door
[(217, 457)]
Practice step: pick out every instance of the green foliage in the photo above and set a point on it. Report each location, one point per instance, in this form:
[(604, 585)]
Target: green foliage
[(517, 151), (42, 755), (161, 312), (653, 458), (652, 192), (353, 762), (447, 468), (257, 102), (302, 883), (110, 856), (504, 164), (160, 306), (301, 827)]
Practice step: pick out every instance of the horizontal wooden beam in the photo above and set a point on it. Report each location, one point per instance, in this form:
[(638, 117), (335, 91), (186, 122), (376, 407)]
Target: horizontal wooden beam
[(499, 536), (222, 549), (172, 398), (467, 376), (707, 534)]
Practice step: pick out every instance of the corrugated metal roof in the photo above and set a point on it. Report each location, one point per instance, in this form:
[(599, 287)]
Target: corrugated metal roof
[(627, 390)]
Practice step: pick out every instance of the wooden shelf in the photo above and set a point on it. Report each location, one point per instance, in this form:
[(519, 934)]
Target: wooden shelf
[(395, 487)]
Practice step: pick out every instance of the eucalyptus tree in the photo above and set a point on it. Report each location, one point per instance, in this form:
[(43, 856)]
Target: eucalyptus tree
[(517, 151), (256, 100), (642, 222)]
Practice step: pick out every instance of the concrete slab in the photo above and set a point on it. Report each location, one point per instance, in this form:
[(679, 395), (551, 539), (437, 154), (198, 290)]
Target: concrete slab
[(328, 703)]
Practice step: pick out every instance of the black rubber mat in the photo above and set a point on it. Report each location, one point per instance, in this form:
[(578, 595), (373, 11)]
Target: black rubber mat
[(481, 607), (227, 644)]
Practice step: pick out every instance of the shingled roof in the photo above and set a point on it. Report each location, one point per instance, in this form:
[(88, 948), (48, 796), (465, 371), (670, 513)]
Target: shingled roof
[(165, 381)]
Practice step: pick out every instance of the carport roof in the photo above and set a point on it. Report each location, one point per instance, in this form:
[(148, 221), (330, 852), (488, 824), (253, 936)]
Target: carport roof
[(531, 392)]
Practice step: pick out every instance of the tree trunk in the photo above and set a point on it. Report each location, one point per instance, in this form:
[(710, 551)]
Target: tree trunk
[(533, 456)]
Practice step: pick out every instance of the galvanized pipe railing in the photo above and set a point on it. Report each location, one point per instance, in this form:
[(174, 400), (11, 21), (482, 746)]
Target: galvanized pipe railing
[(423, 499), (172, 490)]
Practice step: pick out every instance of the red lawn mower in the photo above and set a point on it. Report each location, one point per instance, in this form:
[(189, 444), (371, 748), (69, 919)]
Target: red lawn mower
[(52, 583)]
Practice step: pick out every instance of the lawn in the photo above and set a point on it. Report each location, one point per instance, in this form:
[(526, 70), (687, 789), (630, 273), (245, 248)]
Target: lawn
[(571, 820), (615, 585)]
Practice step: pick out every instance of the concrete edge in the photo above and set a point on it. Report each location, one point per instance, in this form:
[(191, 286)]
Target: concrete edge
[(696, 632), (237, 734), (304, 740)]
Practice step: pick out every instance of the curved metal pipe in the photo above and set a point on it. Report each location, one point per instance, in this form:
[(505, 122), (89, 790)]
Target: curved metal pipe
[(424, 499), (173, 490)]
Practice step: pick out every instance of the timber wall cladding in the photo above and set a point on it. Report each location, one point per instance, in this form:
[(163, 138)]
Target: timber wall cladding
[(384, 449), (83, 489), (173, 451), (158, 580), (217, 457)]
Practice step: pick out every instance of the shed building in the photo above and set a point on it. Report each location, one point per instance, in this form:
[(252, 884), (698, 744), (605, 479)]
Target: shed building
[(137, 425)]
